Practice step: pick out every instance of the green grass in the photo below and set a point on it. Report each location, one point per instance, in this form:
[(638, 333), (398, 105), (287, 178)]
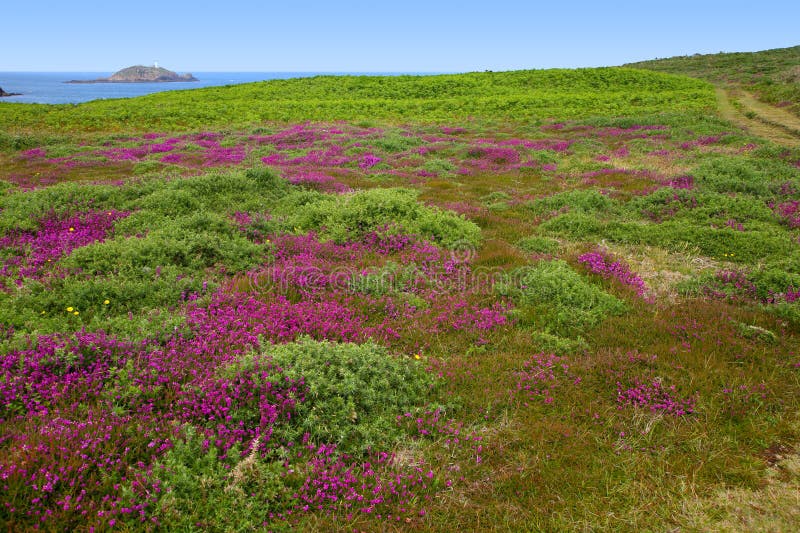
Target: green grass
[(519, 95)]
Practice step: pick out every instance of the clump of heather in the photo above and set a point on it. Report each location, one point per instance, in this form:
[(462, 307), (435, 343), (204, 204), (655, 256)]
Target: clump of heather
[(791, 295), (72, 469), (58, 368), (431, 423), (739, 401), (33, 153), (655, 397), (172, 158), (555, 145), (731, 284), (759, 286), (492, 157), (319, 181), (608, 267), (463, 316), (378, 486), (296, 137), (223, 156), (734, 224), (789, 212), (622, 151), (35, 252), (703, 140), (466, 209), (540, 376), (67, 454), (369, 161), (681, 182)]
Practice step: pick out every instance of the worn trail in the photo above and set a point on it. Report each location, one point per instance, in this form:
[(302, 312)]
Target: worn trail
[(758, 118)]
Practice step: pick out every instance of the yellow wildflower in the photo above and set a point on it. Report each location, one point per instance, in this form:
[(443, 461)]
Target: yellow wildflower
[(76, 313), (70, 309), (106, 302)]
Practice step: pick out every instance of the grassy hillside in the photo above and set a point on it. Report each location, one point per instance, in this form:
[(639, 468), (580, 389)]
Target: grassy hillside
[(774, 75), (548, 301), (518, 95)]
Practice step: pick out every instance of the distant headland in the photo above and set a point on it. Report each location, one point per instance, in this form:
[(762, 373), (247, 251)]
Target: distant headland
[(3, 93), (141, 74)]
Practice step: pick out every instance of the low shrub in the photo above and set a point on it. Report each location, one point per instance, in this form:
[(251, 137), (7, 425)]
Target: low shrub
[(354, 391), (563, 301), (538, 245), (586, 201), (348, 217)]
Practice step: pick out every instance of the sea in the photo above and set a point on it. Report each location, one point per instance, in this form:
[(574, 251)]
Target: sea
[(49, 87)]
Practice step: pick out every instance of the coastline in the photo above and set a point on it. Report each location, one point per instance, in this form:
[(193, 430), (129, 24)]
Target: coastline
[(51, 87), (83, 82)]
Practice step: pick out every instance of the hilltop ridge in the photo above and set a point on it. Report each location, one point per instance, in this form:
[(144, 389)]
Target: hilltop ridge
[(772, 76), (777, 64)]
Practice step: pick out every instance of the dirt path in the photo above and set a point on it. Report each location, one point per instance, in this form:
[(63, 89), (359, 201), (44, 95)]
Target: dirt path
[(758, 118)]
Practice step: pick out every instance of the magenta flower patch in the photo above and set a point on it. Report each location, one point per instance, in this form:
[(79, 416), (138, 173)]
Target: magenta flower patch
[(606, 266), (655, 397)]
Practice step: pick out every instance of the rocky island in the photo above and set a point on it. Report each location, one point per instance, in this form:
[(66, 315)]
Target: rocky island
[(141, 74), (3, 93)]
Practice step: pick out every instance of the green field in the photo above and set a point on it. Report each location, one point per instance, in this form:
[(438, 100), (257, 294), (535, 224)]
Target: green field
[(495, 97), (550, 300)]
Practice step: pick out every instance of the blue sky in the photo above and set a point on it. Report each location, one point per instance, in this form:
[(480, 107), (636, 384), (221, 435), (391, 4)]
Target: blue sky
[(362, 36)]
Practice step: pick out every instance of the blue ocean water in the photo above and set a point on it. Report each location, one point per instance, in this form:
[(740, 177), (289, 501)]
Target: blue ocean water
[(49, 87)]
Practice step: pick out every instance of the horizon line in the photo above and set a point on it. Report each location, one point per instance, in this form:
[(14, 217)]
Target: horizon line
[(291, 71)]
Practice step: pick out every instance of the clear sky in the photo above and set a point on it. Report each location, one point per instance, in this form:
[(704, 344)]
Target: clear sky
[(379, 36)]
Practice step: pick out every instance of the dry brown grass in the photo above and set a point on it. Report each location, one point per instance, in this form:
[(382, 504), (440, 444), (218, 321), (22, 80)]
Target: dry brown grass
[(774, 507)]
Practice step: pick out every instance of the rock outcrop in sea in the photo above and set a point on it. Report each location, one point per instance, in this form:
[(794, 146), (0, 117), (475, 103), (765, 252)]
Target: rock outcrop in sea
[(141, 74), (3, 93)]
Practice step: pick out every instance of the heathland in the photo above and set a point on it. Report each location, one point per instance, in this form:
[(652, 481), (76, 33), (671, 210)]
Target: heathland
[(534, 300)]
